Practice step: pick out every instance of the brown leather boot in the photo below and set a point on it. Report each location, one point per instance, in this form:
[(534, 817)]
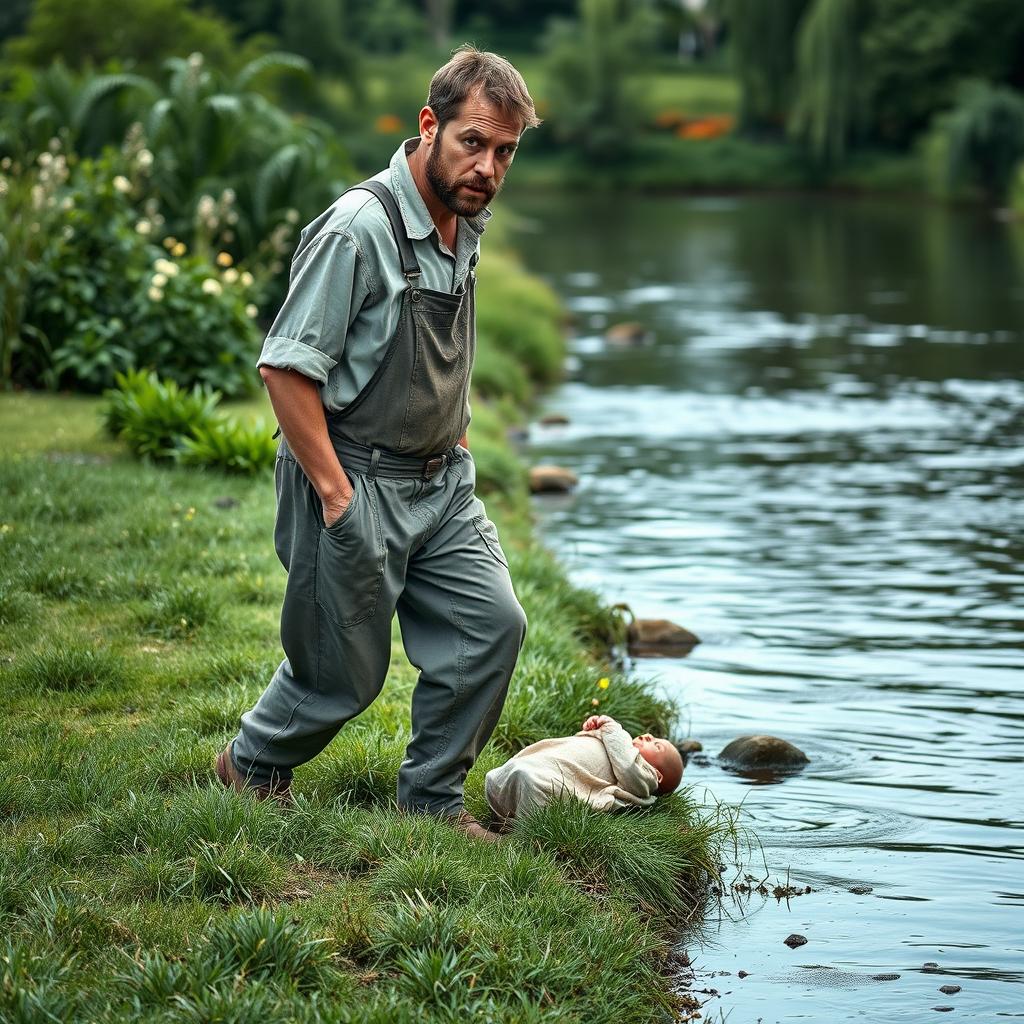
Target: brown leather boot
[(279, 792)]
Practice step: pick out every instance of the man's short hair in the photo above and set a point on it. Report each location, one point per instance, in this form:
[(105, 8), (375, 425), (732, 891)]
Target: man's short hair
[(470, 68)]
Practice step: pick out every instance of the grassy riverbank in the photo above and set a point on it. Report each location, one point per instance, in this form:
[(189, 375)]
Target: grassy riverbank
[(138, 619)]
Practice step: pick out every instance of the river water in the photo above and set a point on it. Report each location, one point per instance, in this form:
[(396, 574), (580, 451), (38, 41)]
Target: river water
[(815, 464)]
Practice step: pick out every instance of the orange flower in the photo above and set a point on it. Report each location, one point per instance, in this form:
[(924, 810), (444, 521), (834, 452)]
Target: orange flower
[(707, 127), (387, 124)]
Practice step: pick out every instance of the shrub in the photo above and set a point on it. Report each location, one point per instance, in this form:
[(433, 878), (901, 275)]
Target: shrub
[(101, 297), (153, 416), (231, 445)]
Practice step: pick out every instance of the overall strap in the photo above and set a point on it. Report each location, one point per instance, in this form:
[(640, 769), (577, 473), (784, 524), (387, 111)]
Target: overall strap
[(410, 266)]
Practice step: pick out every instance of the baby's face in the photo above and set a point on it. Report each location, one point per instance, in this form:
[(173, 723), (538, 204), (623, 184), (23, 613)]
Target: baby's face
[(663, 757)]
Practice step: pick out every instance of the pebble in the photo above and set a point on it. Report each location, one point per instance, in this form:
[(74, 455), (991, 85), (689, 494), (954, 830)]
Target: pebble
[(742, 974), (795, 940), (860, 890), (949, 990), (930, 967)]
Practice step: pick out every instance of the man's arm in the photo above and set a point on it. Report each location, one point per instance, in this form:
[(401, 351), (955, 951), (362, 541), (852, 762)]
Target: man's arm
[(300, 414)]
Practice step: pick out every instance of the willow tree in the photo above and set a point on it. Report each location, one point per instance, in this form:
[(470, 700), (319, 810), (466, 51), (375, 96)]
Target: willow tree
[(761, 36), (828, 108)]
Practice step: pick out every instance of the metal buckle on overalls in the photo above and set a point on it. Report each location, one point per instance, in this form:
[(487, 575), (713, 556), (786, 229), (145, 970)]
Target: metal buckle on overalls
[(432, 466)]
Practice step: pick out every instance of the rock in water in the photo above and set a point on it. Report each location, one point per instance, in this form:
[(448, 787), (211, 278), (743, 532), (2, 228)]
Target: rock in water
[(757, 752), (649, 638), (628, 334), (553, 419), (689, 747), (795, 940), (949, 990), (551, 479)]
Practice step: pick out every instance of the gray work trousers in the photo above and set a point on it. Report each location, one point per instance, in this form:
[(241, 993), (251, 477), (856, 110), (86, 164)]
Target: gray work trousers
[(427, 549)]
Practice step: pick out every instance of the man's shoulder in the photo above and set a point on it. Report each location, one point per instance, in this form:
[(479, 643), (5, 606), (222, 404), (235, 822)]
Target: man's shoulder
[(356, 213)]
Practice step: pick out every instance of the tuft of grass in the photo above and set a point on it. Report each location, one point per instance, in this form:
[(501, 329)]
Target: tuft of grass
[(179, 610), (67, 666)]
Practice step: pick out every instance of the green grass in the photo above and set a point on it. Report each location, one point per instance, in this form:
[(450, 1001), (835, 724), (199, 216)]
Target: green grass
[(138, 619)]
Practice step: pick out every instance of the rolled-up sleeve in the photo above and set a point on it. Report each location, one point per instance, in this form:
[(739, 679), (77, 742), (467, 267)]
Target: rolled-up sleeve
[(326, 289)]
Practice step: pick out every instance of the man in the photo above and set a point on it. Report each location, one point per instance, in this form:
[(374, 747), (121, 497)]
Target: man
[(367, 367)]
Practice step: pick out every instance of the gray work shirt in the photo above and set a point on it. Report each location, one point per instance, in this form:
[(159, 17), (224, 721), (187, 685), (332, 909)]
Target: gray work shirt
[(345, 285)]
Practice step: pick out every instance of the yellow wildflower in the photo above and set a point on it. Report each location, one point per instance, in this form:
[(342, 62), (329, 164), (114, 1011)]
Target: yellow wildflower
[(178, 249), (603, 682), (224, 259)]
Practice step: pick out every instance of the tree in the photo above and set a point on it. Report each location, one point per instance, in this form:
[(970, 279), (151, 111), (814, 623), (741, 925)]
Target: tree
[(986, 138), (828, 106), (762, 37), (140, 32), (593, 101)]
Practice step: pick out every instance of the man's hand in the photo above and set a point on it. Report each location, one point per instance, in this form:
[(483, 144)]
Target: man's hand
[(595, 722), (334, 508)]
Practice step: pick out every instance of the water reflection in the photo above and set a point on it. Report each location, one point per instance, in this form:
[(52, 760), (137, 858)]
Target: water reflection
[(816, 465)]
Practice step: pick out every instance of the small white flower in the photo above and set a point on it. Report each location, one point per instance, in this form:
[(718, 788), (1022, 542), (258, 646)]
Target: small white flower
[(246, 279), (195, 60), (68, 233), (45, 159), (145, 159), (54, 144), (144, 227), (162, 266), (205, 207), (67, 203), (122, 184), (230, 275), (159, 280), (155, 294), (251, 311), (5, 164), (227, 197), (212, 287), (38, 196), (292, 216)]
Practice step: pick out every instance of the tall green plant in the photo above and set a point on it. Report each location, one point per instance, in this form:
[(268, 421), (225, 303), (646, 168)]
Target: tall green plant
[(828, 108), (986, 138)]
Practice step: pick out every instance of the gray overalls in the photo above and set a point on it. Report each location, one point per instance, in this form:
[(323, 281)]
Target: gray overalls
[(414, 538)]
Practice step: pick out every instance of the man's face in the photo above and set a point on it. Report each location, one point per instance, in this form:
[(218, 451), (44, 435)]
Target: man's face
[(468, 159)]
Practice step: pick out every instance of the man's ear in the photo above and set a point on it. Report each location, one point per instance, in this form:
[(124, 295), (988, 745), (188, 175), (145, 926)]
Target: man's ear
[(428, 125)]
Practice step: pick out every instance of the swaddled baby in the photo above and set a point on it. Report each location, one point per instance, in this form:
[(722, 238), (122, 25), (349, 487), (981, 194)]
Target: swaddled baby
[(602, 764)]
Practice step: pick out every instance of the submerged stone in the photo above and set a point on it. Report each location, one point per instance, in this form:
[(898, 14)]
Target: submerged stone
[(659, 638), (949, 990), (763, 752), (551, 478), (795, 940), (628, 334)]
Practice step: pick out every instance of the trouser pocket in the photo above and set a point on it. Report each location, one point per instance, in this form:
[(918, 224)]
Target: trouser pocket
[(489, 532), (350, 560)]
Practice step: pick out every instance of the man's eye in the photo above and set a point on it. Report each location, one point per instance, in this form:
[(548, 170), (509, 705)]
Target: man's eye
[(471, 142)]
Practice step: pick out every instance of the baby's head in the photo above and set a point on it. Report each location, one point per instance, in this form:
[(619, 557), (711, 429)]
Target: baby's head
[(663, 757)]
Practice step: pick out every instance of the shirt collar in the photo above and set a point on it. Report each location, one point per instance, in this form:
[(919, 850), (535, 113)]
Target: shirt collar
[(418, 223)]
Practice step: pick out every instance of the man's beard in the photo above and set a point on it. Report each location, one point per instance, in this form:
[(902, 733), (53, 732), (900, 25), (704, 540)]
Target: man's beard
[(447, 188)]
